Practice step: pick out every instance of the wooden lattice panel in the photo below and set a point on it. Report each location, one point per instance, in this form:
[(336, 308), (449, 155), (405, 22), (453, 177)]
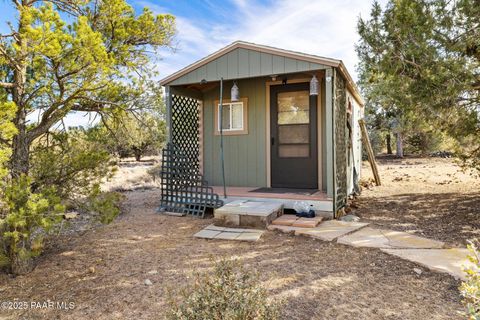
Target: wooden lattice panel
[(185, 127), (183, 189), (341, 139)]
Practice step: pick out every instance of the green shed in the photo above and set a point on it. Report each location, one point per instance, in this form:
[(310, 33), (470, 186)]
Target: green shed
[(289, 134)]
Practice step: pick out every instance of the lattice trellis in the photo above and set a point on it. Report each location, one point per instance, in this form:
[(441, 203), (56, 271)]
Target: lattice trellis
[(183, 189), (341, 139), (184, 130)]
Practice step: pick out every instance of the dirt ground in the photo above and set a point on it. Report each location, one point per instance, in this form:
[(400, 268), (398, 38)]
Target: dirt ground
[(431, 197), (103, 270)]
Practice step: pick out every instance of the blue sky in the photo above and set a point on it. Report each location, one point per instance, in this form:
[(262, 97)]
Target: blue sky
[(321, 27)]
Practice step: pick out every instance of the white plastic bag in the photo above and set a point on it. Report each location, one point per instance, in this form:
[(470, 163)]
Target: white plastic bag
[(301, 207)]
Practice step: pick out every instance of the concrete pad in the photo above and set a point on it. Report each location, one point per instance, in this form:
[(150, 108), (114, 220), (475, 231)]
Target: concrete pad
[(285, 220), (249, 236), (330, 230), (206, 234), (307, 222), (450, 261), (255, 214), (255, 208), (378, 238), (227, 235)]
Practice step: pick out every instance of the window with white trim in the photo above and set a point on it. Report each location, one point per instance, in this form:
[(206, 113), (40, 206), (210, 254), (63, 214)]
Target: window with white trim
[(232, 116)]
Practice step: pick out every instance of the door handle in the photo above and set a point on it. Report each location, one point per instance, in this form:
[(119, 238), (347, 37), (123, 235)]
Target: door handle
[(272, 140)]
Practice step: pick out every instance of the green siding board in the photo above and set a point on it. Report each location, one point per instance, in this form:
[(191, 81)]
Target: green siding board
[(201, 73), (222, 67), (266, 63), (278, 64), (243, 63), (302, 65), (253, 63), (211, 71), (244, 154), (290, 65), (232, 58)]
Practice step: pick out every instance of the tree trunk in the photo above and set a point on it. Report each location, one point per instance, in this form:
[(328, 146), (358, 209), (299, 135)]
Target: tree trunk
[(389, 143), (399, 145), (19, 162), (138, 155), (21, 265)]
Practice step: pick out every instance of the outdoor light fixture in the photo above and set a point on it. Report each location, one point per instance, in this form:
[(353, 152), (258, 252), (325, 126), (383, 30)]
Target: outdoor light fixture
[(314, 86), (235, 93)]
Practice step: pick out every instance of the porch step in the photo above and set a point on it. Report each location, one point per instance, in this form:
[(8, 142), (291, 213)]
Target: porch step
[(294, 221), (247, 213)]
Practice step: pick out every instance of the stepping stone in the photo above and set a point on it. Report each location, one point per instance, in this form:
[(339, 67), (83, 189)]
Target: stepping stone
[(451, 261), (222, 233), (285, 220), (330, 230), (227, 235), (378, 238), (307, 222), (249, 236), (206, 234)]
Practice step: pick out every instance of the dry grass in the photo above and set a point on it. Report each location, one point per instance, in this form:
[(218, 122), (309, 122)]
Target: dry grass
[(103, 270), (432, 197), (132, 175)]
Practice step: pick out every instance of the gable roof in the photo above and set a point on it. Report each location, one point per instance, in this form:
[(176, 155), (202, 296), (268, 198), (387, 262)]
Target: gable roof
[(313, 60)]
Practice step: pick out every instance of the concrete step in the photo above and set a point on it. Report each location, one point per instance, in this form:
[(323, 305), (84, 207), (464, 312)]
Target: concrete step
[(246, 213), (294, 221)]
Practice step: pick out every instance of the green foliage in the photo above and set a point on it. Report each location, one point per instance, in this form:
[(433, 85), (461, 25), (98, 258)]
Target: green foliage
[(419, 63), (227, 293), (138, 132), (96, 62), (105, 204), (73, 162), (470, 289), (23, 219), (76, 163), (7, 131), (423, 141)]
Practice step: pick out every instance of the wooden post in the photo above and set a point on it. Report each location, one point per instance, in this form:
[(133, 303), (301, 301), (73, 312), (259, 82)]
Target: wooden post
[(371, 156)]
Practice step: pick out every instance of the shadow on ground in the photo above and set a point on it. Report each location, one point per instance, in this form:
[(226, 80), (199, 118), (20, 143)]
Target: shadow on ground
[(450, 217)]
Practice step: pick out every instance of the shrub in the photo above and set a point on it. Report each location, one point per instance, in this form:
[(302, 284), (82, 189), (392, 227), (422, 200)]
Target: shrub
[(106, 205), (228, 293), (72, 162), (24, 219), (470, 289)]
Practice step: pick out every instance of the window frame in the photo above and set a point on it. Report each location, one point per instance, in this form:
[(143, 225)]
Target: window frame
[(231, 131)]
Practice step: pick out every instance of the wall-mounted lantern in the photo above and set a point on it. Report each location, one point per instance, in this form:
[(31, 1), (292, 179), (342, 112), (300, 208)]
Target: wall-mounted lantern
[(314, 86), (235, 93)]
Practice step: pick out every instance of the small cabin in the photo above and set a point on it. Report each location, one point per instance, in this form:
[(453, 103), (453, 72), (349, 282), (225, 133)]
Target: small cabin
[(264, 124)]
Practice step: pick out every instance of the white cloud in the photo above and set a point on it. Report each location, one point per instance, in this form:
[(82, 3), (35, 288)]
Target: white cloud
[(321, 27)]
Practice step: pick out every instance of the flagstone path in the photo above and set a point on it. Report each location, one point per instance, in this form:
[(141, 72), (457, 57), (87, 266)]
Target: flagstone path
[(426, 252)]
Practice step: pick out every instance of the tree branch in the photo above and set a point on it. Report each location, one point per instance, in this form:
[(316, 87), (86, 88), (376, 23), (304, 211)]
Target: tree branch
[(7, 85)]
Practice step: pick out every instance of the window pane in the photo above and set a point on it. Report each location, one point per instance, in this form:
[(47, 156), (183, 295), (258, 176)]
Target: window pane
[(237, 116), (293, 107), (298, 133), (225, 117), (294, 151)]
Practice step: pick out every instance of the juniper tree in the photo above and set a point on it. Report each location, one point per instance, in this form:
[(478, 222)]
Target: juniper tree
[(422, 60), (63, 56)]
